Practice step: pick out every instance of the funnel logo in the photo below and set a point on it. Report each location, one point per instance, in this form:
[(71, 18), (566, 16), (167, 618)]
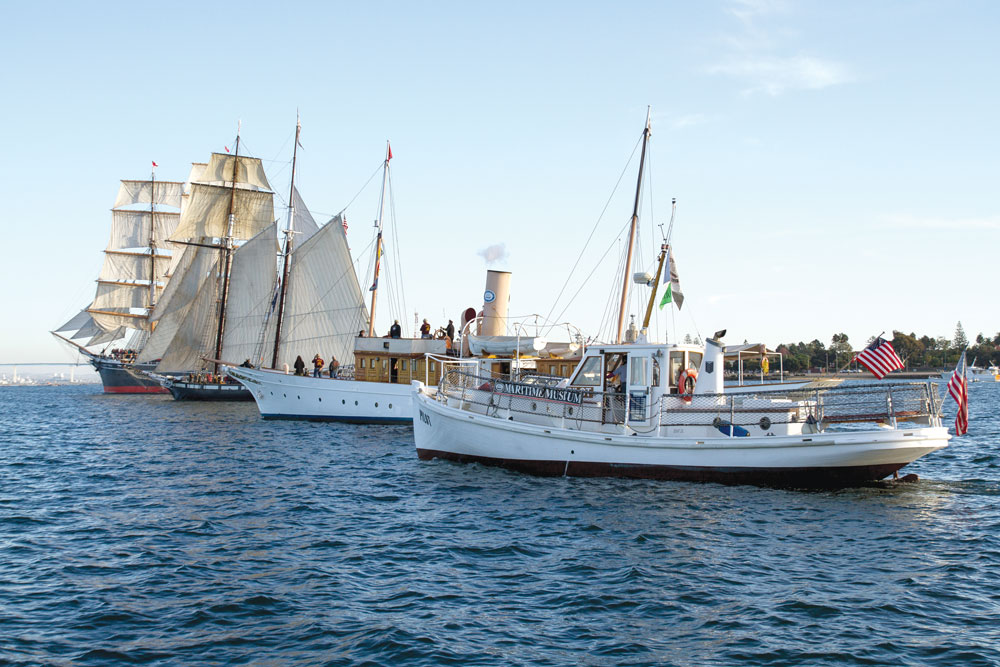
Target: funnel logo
[(489, 296)]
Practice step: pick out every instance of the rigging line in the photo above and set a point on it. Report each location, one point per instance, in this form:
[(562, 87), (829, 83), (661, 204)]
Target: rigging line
[(594, 229), (607, 317), (395, 237), (374, 173), (597, 264)]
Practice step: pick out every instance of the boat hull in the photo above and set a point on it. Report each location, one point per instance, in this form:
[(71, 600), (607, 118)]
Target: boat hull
[(190, 391), (119, 378), (281, 396), (819, 460)]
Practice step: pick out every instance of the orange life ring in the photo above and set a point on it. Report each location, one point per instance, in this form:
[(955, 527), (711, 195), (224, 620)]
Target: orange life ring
[(686, 382)]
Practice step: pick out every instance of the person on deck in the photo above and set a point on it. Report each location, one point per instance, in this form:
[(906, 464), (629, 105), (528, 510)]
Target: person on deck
[(448, 346), (299, 365), (334, 366), (246, 364), (425, 329), (361, 334), (395, 331), (450, 330), (317, 365)]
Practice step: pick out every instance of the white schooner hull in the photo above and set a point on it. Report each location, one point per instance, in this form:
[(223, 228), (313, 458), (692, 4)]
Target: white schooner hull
[(281, 396), (809, 460)]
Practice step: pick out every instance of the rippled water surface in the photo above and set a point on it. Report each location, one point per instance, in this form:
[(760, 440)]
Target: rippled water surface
[(142, 530)]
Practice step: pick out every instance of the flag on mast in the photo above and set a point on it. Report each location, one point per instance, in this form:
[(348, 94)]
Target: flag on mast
[(958, 387), (880, 358), (390, 151), (154, 164), (673, 293)]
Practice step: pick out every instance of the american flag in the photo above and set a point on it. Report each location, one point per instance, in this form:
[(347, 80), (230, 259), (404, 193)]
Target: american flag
[(880, 358), (958, 387)]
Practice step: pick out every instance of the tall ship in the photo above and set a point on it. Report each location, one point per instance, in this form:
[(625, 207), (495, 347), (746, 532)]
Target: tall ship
[(219, 296), (114, 329)]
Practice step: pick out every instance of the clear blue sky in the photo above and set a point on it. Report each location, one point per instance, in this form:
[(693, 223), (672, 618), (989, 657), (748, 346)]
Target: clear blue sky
[(835, 164)]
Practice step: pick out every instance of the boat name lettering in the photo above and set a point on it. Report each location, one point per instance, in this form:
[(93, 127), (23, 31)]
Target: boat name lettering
[(425, 418), (539, 391)]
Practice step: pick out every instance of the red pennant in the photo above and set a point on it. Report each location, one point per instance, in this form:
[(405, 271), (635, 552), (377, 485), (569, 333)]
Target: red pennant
[(155, 165), (227, 148), (390, 151)]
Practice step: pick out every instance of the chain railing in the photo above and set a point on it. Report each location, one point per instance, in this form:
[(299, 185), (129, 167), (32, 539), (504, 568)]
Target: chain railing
[(530, 398)]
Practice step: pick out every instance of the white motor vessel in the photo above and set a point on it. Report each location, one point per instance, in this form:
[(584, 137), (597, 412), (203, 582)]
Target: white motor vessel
[(630, 410)]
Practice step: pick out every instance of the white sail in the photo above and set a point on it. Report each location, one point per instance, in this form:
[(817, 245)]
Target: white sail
[(114, 296), (106, 337), (194, 333), (76, 322), (88, 329), (220, 170), (131, 229), (324, 305), (132, 266), (206, 213), (303, 223), (197, 264), (251, 292), (197, 169), (167, 193), (108, 320)]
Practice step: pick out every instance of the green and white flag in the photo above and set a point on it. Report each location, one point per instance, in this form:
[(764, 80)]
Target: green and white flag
[(673, 293)]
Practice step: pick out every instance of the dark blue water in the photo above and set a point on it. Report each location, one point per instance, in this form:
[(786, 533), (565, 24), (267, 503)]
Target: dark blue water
[(142, 530)]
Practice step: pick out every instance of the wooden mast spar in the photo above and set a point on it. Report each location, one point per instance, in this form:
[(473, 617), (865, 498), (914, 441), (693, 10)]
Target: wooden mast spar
[(227, 250), (378, 240), (631, 234), (288, 248)]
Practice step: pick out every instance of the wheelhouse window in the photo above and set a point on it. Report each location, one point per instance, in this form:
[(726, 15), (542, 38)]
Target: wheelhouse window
[(637, 370), (676, 366), (694, 360), (589, 373)]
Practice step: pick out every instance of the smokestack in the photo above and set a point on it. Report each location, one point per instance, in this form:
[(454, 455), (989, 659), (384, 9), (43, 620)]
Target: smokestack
[(495, 301)]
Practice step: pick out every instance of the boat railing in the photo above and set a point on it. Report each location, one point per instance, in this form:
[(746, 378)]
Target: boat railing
[(538, 398)]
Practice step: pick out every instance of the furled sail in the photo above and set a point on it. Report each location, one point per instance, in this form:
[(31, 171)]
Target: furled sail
[(324, 307), (220, 170), (112, 296), (167, 193), (251, 292), (206, 214)]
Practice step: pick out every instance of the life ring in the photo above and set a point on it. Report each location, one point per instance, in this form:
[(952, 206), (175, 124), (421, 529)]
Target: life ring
[(686, 382)]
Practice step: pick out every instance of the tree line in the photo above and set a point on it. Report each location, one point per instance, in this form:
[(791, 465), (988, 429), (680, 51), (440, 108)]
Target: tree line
[(919, 353)]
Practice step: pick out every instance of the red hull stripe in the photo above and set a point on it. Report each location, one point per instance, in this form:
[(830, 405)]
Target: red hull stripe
[(135, 389)]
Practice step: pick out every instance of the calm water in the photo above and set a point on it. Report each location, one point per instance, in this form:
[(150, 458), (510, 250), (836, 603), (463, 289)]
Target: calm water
[(141, 530)]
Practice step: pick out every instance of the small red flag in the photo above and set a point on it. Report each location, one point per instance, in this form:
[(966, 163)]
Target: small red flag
[(227, 148), (390, 151), (155, 165), (344, 222)]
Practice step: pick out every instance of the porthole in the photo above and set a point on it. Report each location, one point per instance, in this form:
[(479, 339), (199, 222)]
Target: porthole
[(376, 404), (285, 395), (534, 406), (320, 399), (765, 423), (571, 413), (343, 402), (355, 402), (390, 406), (299, 397)]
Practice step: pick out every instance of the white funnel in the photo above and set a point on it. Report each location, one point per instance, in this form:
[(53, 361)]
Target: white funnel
[(495, 301)]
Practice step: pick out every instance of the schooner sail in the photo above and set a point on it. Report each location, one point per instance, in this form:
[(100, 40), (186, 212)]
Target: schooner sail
[(137, 266), (225, 279)]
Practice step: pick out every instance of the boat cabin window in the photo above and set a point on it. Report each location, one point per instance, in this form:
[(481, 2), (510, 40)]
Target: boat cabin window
[(617, 369), (362, 362), (656, 373), (694, 360), (637, 372), (676, 366), (589, 373)]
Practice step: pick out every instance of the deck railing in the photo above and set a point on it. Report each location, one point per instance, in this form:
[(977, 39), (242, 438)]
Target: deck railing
[(538, 399)]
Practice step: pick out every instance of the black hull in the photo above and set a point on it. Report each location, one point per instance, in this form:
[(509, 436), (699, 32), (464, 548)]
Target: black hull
[(190, 391), (119, 378), (787, 478)]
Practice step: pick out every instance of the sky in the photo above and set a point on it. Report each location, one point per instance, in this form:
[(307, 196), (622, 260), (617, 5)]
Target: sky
[(834, 164)]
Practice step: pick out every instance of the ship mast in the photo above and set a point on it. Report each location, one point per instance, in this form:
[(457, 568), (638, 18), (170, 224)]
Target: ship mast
[(378, 240), (631, 233), (227, 250), (152, 240), (288, 247)]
